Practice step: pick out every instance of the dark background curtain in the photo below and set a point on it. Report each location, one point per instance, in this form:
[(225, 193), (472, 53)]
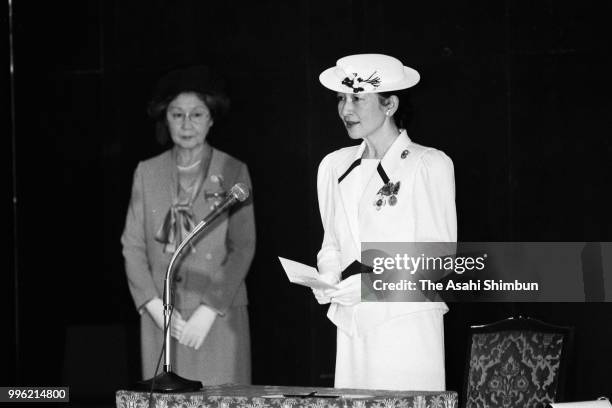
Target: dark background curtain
[(516, 93)]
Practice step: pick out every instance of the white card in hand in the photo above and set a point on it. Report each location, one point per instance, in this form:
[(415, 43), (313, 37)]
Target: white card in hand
[(304, 275)]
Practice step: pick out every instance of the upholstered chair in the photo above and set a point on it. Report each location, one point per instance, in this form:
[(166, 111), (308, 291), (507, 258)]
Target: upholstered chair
[(517, 362)]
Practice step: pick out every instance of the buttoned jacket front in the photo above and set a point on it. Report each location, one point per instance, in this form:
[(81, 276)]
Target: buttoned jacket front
[(213, 272), (424, 212)]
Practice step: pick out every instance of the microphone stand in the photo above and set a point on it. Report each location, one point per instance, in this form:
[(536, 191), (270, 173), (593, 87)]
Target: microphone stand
[(169, 381)]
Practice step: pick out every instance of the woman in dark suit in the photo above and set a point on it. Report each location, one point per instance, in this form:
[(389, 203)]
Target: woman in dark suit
[(170, 194)]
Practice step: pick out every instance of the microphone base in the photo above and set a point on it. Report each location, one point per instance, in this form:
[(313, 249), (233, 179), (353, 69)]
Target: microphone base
[(168, 382)]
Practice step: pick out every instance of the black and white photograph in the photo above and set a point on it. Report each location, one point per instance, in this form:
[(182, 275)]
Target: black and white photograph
[(308, 204)]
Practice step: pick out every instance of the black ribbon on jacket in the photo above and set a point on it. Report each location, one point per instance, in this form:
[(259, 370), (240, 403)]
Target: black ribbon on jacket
[(355, 268)]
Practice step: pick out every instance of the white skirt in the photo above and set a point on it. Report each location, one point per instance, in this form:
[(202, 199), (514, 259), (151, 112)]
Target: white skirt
[(405, 353)]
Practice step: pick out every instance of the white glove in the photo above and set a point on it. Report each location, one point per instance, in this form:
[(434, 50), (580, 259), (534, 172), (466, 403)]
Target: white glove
[(322, 295), (177, 325), (155, 308), (348, 292), (197, 327)]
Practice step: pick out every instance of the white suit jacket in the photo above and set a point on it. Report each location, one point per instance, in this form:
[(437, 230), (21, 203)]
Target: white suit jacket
[(425, 212)]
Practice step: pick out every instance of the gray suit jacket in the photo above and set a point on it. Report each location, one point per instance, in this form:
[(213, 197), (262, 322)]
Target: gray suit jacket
[(212, 275)]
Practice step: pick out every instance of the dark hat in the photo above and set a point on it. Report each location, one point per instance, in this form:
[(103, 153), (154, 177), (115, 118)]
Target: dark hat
[(195, 78), (200, 79)]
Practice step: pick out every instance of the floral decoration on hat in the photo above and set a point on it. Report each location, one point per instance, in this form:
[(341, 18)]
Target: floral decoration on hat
[(368, 73), (358, 84)]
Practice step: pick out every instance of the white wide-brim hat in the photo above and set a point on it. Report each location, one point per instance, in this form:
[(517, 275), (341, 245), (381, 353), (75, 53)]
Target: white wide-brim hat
[(368, 73)]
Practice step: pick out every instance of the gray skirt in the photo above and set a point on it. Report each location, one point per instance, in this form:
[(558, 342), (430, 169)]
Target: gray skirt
[(224, 357)]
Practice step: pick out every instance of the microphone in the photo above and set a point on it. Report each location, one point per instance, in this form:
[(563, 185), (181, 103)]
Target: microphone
[(238, 193), (168, 381)]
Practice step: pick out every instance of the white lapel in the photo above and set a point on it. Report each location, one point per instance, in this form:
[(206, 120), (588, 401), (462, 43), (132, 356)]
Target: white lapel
[(350, 191), (390, 163), (378, 220), (396, 154)]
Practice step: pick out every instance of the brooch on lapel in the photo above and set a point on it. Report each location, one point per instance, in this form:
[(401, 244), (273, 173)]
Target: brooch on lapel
[(388, 192), (219, 195)]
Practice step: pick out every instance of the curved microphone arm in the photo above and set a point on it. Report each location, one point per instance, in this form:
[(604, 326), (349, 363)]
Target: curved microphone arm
[(167, 301), (237, 193)]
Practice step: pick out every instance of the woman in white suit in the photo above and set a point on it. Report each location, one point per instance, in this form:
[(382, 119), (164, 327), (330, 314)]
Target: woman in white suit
[(387, 189)]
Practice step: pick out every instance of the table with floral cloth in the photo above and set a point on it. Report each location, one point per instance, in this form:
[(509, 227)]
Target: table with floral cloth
[(266, 396)]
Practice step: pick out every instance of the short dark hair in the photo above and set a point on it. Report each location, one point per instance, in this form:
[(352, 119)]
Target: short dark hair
[(199, 80), (405, 110)]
